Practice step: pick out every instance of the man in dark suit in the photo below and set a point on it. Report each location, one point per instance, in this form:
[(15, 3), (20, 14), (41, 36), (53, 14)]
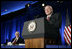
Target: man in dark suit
[(17, 39), (54, 21)]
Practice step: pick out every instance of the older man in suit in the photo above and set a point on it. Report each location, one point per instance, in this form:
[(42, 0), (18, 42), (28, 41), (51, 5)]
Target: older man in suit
[(54, 21), (17, 39)]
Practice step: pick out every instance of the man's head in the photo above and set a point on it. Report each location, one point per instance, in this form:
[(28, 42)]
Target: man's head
[(48, 10), (17, 34)]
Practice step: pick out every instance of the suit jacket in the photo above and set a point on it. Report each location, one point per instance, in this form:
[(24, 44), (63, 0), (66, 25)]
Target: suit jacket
[(54, 25), (56, 20), (20, 40)]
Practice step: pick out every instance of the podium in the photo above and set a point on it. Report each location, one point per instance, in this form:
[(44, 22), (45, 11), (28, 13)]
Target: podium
[(35, 32)]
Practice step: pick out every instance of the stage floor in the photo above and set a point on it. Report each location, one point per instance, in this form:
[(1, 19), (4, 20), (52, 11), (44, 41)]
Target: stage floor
[(47, 46)]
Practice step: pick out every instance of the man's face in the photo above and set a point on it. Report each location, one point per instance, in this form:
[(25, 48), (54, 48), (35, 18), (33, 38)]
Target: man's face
[(48, 10), (17, 34)]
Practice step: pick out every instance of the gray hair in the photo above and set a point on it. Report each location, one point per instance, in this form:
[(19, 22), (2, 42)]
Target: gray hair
[(16, 32), (49, 7)]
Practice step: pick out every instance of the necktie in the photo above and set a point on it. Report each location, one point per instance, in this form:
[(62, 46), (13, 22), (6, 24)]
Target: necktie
[(14, 42), (48, 18)]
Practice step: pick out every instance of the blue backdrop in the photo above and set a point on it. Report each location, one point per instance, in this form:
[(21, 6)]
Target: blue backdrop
[(8, 28)]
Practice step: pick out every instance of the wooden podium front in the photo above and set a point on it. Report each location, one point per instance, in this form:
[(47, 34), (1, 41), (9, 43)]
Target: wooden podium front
[(34, 43), (35, 32)]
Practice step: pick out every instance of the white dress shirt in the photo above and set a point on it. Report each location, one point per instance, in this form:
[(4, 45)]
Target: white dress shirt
[(17, 39), (49, 15)]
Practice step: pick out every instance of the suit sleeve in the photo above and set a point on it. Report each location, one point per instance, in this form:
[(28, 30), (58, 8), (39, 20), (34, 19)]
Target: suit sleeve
[(21, 40)]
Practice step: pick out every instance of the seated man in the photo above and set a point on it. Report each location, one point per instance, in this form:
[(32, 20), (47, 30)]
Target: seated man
[(17, 39)]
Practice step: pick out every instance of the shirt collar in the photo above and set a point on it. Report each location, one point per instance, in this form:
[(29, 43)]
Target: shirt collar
[(49, 15)]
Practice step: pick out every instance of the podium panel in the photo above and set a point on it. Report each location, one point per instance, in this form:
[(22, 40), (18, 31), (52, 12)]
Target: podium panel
[(37, 32), (28, 31), (34, 43)]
